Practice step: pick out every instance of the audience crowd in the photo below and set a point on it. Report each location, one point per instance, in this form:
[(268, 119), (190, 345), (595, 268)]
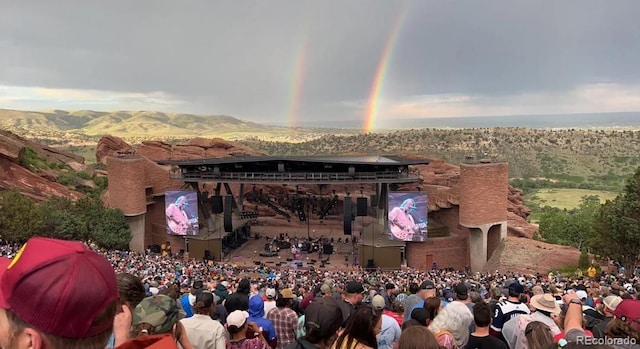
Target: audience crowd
[(64, 295)]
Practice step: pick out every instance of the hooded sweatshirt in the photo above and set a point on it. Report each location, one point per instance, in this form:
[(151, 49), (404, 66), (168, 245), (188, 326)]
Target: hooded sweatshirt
[(256, 314), (221, 292), (239, 300)]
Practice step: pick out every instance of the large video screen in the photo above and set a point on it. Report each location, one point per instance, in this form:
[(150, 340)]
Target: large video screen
[(407, 216), (181, 209)]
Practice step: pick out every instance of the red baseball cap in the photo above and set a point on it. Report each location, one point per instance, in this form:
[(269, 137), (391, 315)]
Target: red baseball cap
[(59, 287), (629, 311)]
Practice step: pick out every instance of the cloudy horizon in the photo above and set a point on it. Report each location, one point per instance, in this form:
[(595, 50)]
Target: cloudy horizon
[(290, 61)]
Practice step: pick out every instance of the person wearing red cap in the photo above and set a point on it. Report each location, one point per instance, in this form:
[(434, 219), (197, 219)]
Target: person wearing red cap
[(56, 294)]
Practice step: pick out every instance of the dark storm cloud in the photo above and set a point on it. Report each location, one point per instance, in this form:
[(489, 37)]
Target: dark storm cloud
[(238, 57)]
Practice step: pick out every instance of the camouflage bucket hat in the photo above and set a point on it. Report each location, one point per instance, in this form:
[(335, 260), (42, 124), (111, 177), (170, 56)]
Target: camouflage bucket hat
[(159, 311)]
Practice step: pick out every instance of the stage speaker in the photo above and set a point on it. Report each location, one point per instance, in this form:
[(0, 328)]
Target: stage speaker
[(228, 219), (347, 227), (348, 209), (370, 264), (216, 204), (374, 200), (207, 255), (327, 249), (361, 205)]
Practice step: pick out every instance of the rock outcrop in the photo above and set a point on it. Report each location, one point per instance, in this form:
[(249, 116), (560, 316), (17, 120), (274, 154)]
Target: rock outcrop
[(197, 148), (38, 184)]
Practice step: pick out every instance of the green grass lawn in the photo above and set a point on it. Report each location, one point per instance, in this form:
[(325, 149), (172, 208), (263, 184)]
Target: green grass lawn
[(564, 198)]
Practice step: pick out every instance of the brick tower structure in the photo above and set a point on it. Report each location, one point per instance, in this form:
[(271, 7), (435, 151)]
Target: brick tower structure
[(483, 196)]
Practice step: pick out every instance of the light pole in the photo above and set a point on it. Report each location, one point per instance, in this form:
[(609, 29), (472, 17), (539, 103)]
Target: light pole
[(308, 220)]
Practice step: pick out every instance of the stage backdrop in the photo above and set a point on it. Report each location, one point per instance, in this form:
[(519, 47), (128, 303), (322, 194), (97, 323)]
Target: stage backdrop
[(407, 216), (181, 209)]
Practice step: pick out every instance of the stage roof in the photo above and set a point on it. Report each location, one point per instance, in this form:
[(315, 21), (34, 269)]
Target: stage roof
[(297, 169), (356, 160)]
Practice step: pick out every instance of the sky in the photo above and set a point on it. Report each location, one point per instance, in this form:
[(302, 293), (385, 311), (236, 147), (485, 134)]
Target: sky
[(291, 61)]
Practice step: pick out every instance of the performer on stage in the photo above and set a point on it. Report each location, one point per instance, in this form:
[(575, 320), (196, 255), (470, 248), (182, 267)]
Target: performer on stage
[(177, 218), (401, 222)]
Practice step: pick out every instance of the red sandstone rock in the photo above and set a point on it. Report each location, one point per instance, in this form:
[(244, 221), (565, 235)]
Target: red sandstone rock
[(109, 146), (14, 176), (524, 255)]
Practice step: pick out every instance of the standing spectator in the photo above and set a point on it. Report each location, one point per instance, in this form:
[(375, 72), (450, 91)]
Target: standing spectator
[(239, 329), (187, 300), (239, 300), (256, 314), (131, 293), (427, 290), (462, 296), (389, 290), (509, 309), (284, 319), (417, 337), (270, 303), (155, 324), (451, 325), (480, 338), (538, 335), (412, 300), (322, 319), (45, 300), (202, 331), (546, 308), (390, 331), (361, 330), (354, 294)]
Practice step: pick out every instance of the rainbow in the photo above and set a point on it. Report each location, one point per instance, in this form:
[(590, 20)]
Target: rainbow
[(297, 83), (383, 64)]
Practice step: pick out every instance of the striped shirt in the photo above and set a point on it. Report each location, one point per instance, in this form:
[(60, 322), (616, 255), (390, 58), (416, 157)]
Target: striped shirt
[(507, 311)]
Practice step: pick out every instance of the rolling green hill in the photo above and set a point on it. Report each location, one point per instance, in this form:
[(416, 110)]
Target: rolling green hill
[(586, 159), (127, 124)]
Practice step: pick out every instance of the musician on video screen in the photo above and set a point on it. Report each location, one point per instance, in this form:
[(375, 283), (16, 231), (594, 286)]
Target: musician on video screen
[(177, 218), (402, 224)]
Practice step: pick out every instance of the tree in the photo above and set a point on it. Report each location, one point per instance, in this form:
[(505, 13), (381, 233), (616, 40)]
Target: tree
[(616, 231), (569, 227), (20, 218), (112, 230)]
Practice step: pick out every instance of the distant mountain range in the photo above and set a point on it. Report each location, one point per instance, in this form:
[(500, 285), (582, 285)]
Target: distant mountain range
[(566, 121), (127, 123)]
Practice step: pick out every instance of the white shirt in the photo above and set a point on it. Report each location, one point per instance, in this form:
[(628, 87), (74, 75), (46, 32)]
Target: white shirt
[(268, 305), (204, 332)]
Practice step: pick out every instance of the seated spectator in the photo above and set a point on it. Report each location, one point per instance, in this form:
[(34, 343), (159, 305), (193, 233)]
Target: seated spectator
[(46, 301)]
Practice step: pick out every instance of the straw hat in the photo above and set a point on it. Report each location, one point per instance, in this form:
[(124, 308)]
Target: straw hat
[(545, 302)]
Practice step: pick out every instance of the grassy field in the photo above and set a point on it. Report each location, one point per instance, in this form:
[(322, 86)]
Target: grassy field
[(564, 198)]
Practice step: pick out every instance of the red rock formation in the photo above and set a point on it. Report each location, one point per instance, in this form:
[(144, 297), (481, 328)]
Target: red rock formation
[(197, 148), (39, 188), (41, 185)]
